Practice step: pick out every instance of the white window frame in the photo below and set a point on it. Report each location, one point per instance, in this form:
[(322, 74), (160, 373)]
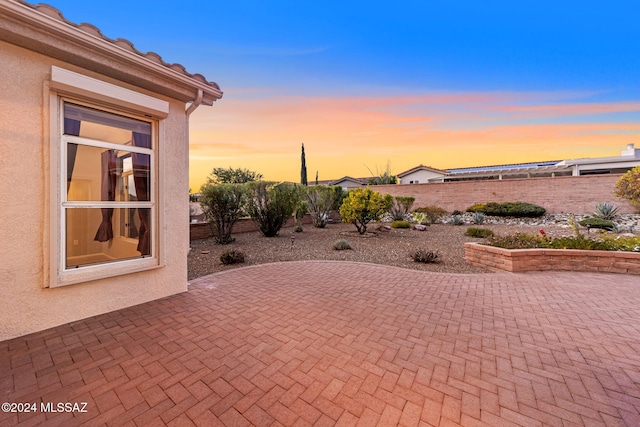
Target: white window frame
[(68, 86)]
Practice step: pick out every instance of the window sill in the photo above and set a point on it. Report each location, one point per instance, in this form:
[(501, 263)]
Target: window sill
[(104, 271)]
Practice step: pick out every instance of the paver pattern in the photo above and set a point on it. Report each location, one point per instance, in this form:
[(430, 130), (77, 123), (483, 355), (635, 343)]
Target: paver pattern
[(335, 343)]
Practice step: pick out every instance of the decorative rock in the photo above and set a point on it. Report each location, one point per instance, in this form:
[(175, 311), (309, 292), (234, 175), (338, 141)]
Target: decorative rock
[(625, 222), (420, 227), (204, 252)]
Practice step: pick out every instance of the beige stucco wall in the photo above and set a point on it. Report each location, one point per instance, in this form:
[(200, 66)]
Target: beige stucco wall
[(421, 176), (27, 306)]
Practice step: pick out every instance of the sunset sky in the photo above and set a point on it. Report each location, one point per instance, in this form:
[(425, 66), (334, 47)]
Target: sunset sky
[(366, 84)]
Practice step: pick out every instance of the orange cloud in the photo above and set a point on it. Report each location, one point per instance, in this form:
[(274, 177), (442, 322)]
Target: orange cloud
[(349, 135)]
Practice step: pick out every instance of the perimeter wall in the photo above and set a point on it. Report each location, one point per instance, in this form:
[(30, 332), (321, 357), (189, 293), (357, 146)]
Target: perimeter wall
[(563, 194)]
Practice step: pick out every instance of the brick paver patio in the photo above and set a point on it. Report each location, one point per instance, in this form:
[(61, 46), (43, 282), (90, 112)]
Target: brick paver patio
[(330, 343)]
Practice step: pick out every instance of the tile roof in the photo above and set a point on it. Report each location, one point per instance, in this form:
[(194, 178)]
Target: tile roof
[(421, 167), (54, 13)]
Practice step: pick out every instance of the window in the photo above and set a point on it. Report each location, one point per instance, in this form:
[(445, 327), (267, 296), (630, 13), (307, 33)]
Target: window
[(109, 164), (105, 179)]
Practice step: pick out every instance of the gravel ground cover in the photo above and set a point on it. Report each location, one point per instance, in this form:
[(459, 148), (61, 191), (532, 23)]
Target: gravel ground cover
[(391, 247)]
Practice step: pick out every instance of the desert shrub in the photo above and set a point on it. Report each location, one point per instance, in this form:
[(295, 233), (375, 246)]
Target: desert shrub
[(424, 256), (341, 245), (598, 223), (628, 187), (513, 209), (232, 256), (433, 213), (401, 207), (606, 211), (529, 241), (384, 177), (223, 205), (517, 241), (271, 204), (457, 212), (456, 220), (478, 218), (623, 243), (400, 224), (577, 242), (300, 211), (364, 205), (321, 201), (478, 232), (232, 176), (420, 218)]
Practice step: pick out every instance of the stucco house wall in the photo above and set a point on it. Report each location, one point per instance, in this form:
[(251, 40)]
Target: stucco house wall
[(420, 177), (27, 192)]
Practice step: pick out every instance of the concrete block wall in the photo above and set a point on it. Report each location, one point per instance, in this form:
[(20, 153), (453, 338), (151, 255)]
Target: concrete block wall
[(566, 194)]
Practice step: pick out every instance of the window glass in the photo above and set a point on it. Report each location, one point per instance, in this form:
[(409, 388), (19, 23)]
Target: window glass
[(100, 174), (108, 210), (88, 241), (103, 126)]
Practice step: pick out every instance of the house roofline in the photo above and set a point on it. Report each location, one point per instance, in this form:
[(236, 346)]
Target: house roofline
[(33, 20)]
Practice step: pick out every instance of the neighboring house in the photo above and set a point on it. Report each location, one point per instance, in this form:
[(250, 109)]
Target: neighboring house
[(421, 175), (628, 159), (346, 182), (94, 170)]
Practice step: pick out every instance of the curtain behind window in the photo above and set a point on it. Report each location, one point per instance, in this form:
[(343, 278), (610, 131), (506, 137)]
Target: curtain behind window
[(109, 179), (141, 179), (71, 127)]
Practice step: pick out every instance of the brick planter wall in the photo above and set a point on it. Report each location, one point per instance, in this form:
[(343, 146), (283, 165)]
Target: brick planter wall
[(520, 260)]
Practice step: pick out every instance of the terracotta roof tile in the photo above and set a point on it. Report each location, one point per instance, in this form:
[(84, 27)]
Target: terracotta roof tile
[(120, 42)]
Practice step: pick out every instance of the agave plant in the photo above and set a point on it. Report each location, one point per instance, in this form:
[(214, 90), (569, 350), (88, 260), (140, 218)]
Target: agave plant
[(606, 210), (478, 218)]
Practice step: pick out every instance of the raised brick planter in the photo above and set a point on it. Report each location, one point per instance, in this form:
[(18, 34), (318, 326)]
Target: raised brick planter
[(519, 260)]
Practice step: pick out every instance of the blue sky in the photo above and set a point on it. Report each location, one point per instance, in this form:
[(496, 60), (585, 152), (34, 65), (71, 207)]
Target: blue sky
[(521, 81)]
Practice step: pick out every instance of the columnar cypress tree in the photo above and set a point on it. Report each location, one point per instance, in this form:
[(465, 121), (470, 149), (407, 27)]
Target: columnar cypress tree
[(303, 169)]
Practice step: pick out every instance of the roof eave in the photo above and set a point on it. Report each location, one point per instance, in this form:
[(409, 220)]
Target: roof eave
[(23, 25)]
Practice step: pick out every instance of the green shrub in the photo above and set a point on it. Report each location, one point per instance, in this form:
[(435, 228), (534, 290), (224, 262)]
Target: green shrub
[(232, 256), (623, 243), (424, 256), (517, 241), (341, 244), (598, 223), (606, 211), (271, 204), (223, 205), (432, 212), (577, 242), (628, 187), (400, 224), (401, 207), (420, 218), (478, 232), (512, 209), (531, 241), (364, 205)]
